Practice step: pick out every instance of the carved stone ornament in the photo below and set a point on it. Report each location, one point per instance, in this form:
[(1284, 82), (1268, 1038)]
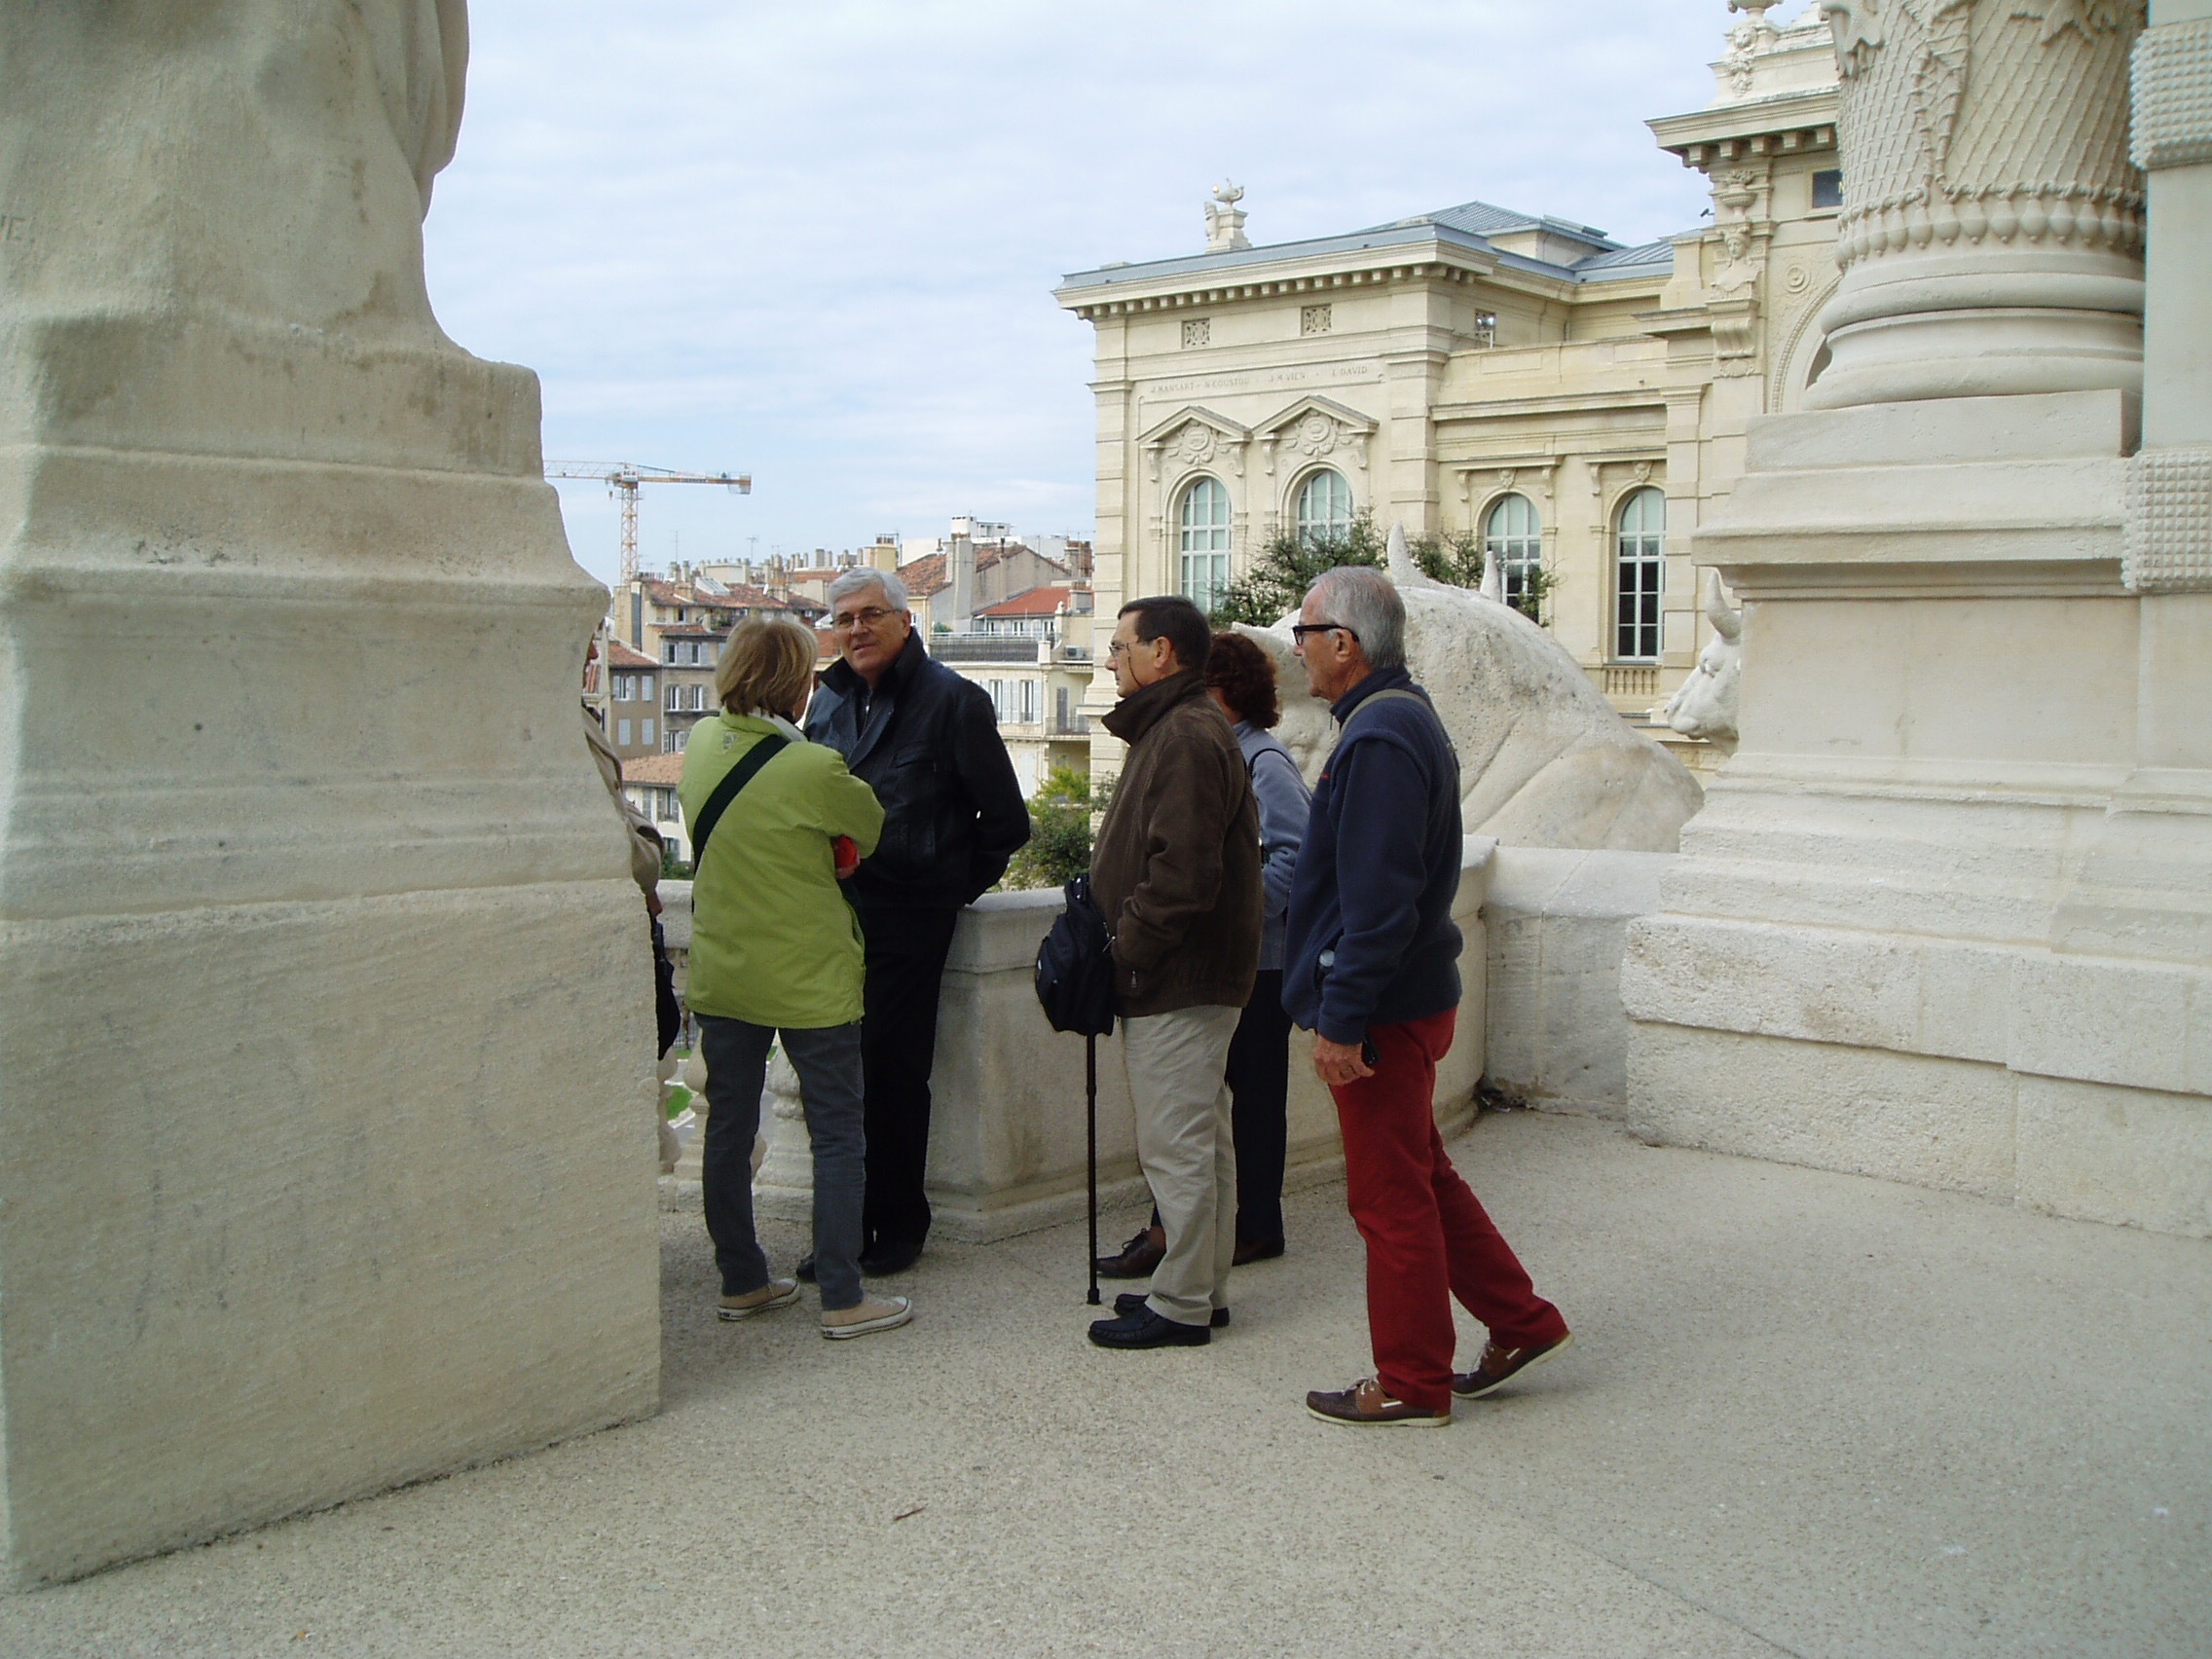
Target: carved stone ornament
[(2041, 156), (1986, 144), (1315, 436), (1859, 32), (1746, 41), (2168, 547), (1195, 445), (2173, 95)]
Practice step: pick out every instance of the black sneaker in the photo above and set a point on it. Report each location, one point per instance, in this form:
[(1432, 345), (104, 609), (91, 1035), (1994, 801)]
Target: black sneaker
[(1145, 1329), (1132, 1301)]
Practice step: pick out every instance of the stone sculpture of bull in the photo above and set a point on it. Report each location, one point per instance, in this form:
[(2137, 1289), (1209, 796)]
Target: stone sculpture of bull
[(1544, 759), (1705, 704)]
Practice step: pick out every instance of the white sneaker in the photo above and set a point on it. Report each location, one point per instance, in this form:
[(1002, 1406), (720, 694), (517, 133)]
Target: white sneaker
[(871, 1313), (776, 1293)]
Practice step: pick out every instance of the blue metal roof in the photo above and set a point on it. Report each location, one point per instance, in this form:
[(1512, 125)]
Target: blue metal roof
[(1622, 261), (1469, 225)]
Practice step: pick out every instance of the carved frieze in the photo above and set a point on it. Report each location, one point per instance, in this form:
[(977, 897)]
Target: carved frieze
[(1973, 121)]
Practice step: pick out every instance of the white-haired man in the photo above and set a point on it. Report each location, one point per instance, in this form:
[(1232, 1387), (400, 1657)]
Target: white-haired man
[(1371, 967), (928, 743)]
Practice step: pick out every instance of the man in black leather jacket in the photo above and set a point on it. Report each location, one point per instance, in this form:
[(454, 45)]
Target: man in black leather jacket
[(928, 743)]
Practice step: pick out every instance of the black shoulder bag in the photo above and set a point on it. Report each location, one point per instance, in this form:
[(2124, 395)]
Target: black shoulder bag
[(1075, 969)]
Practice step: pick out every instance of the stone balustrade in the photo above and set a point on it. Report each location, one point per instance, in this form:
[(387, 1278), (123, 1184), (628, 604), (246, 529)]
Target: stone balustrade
[(1006, 1143)]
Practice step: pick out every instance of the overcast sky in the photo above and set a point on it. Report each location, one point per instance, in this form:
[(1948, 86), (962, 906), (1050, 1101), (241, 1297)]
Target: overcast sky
[(817, 242)]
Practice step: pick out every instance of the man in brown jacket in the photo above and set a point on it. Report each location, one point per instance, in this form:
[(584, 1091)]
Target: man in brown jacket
[(1176, 871)]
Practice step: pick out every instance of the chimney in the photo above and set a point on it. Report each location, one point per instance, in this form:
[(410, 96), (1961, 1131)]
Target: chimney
[(960, 569)]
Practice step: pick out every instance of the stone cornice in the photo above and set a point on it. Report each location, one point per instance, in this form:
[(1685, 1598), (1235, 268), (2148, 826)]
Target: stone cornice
[(1610, 401), (1398, 266), (1788, 124)]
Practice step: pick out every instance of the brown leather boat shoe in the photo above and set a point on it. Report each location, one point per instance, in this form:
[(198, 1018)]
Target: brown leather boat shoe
[(1500, 1365), (1367, 1405)]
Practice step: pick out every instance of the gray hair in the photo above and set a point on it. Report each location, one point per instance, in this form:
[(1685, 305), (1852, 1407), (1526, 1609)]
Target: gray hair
[(862, 579), (1366, 601)]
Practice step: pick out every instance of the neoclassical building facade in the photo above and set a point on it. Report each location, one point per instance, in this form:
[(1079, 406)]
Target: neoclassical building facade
[(1577, 404)]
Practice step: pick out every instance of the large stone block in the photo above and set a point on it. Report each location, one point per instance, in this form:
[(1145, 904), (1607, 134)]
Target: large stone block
[(291, 1210), (2132, 1155), (324, 1148), (1558, 926), (1935, 1122)]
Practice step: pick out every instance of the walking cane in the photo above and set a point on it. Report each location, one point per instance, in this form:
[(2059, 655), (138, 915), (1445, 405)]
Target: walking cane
[(1091, 1095)]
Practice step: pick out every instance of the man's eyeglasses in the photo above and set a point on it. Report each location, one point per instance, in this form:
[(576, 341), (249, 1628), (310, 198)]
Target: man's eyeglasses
[(873, 617), (1299, 631)]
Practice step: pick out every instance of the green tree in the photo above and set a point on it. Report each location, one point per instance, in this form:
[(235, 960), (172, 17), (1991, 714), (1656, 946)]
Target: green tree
[(1288, 565), (1058, 849)]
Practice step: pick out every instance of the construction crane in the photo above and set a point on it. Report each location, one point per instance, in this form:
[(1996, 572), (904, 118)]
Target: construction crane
[(622, 479)]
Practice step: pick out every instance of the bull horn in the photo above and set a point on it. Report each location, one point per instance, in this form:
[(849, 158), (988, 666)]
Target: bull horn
[(1728, 621), (1400, 561)]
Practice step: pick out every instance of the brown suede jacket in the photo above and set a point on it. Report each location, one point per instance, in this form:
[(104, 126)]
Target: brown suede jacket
[(1176, 867)]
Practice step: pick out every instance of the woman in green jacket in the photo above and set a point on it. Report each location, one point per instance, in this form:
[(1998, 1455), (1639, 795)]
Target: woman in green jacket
[(776, 951)]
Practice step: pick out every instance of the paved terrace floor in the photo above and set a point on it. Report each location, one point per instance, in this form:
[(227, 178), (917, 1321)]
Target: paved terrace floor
[(1808, 1414)]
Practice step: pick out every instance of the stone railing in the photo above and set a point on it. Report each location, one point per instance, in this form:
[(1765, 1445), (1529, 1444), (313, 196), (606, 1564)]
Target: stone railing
[(1007, 1139)]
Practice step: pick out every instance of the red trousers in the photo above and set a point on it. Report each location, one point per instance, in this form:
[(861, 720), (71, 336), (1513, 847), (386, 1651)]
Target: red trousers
[(1427, 1238)]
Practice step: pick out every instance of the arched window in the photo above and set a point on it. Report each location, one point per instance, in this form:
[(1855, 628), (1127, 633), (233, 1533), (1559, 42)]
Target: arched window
[(1640, 570), (1205, 543), (1324, 507), (1513, 539)]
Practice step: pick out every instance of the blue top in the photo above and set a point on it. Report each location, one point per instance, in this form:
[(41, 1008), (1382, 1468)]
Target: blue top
[(1284, 801), (1371, 940)]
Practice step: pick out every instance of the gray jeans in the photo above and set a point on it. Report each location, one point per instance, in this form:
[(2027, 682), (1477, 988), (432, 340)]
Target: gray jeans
[(827, 1061)]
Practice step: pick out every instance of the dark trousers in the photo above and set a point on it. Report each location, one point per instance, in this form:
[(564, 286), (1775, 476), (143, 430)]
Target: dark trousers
[(1428, 1238), (905, 965), (827, 1062), (1259, 1080)]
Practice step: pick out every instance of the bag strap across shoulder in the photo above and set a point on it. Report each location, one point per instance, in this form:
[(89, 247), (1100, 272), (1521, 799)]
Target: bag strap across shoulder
[(1386, 696), (1370, 702), (734, 779)]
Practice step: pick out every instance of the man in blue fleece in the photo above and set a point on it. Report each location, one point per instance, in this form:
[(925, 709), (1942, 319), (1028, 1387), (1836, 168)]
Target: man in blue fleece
[(1371, 967)]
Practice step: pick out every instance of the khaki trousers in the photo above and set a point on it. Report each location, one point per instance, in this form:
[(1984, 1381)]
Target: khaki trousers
[(1175, 1063)]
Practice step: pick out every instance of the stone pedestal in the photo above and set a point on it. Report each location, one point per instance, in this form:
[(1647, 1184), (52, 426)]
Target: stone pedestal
[(1942, 918), (301, 851)]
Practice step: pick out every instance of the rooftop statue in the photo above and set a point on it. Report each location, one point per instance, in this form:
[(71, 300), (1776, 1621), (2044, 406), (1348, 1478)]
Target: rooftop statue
[(1544, 759), (1224, 219)]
